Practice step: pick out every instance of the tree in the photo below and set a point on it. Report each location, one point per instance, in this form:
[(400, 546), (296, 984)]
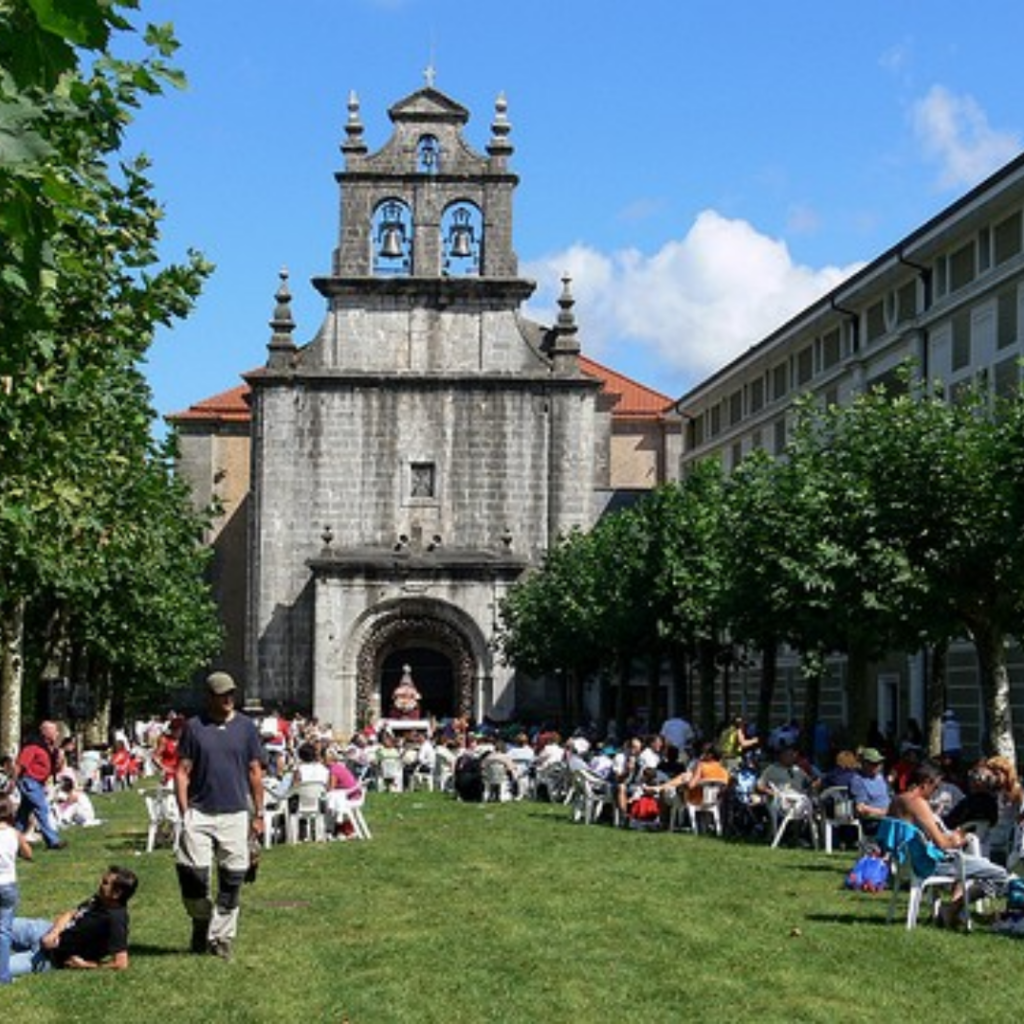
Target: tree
[(79, 303)]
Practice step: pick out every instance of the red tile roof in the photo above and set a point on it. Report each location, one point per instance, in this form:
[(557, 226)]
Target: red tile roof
[(634, 401), (227, 407), (631, 400)]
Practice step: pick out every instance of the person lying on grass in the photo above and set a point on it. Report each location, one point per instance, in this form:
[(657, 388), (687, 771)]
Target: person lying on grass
[(94, 934)]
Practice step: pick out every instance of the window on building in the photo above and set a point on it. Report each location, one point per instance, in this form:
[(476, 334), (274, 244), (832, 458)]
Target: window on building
[(779, 431), (1008, 315), (1007, 238), (961, 356), (1006, 378), (959, 391), (906, 302), (422, 480), (755, 440), (984, 250), (428, 155), (780, 382), (696, 432), (962, 267), (804, 365), (893, 382), (755, 396), (736, 455), (831, 397), (715, 420), (874, 321), (735, 407), (831, 349), (940, 278)]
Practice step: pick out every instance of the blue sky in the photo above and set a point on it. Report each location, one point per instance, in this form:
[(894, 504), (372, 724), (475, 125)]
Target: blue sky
[(703, 169)]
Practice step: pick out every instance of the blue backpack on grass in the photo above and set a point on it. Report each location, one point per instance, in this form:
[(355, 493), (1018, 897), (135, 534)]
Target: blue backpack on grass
[(869, 874)]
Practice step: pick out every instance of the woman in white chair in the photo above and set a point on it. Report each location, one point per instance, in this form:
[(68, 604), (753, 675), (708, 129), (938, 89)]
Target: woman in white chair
[(983, 877)]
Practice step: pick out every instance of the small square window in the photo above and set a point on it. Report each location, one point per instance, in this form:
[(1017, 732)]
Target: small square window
[(422, 480)]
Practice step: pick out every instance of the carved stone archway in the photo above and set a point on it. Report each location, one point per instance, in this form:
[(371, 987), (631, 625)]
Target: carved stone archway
[(405, 629)]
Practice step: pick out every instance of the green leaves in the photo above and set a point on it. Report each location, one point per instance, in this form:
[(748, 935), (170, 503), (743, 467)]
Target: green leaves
[(91, 521)]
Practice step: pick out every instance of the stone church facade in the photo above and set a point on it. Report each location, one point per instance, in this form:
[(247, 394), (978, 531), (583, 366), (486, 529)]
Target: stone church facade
[(426, 447)]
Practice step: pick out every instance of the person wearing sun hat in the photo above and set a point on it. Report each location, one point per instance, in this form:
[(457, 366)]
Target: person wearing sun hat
[(219, 775), (869, 787)]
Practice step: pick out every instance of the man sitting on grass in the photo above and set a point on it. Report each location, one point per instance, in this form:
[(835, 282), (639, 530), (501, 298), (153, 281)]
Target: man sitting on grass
[(94, 934)]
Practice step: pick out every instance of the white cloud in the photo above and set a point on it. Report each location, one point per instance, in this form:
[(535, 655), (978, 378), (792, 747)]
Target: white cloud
[(695, 304), (954, 131)]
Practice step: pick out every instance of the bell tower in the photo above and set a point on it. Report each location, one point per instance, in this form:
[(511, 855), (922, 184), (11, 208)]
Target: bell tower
[(426, 206)]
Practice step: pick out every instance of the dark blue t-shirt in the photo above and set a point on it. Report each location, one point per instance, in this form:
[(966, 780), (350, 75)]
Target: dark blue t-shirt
[(221, 753)]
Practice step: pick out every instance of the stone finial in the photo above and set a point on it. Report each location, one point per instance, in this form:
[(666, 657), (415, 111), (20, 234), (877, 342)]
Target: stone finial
[(566, 345), (499, 146), (282, 345), (354, 142)]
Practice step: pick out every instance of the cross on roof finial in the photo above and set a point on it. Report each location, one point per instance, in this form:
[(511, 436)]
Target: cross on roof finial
[(429, 74)]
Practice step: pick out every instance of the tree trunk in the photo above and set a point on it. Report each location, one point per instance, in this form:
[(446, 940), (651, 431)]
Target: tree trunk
[(766, 693), (708, 675), (857, 693), (625, 674), (936, 697), (12, 674), (654, 716), (681, 705), (995, 687), (813, 669)]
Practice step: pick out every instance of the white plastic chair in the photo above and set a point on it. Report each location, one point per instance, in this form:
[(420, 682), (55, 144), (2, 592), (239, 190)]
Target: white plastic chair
[(590, 795), (389, 775), (836, 810), (710, 806), (497, 785), (308, 815), (347, 805), (787, 806), (164, 820), (905, 845)]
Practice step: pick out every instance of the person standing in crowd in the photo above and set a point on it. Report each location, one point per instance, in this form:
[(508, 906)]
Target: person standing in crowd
[(220, 773), (38, 762)]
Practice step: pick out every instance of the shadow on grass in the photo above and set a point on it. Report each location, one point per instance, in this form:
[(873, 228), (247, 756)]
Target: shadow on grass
[(879, 919), (144, 950)]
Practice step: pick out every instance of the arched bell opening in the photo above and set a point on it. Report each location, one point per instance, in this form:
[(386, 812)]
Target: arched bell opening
[(391, 236), (462, 239)]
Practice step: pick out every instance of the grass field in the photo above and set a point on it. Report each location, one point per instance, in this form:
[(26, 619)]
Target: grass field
[(510, 913)]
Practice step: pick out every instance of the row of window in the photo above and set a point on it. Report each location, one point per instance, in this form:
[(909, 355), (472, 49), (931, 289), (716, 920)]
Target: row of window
[(990, 248)]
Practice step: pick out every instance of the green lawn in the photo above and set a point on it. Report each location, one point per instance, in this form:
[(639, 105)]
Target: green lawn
[(509, 913)]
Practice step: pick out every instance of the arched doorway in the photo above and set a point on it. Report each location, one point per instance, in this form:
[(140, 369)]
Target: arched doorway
[(431, 671), (438, 652)]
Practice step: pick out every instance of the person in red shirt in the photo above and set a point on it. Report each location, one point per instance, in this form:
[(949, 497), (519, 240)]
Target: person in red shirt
[(166, 753), (38, 762)]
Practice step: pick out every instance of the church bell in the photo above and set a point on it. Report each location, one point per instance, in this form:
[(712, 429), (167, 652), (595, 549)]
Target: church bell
[(460, 237), (392, 233)]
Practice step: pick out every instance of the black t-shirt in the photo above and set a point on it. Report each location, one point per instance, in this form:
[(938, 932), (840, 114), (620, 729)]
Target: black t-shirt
[(220, 753), (95, 932)]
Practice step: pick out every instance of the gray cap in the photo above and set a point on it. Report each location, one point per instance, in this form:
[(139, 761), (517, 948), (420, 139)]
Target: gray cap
[(220, 683)]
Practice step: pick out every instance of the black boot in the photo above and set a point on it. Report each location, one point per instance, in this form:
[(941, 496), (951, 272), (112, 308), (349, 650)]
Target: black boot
[(199, 932)]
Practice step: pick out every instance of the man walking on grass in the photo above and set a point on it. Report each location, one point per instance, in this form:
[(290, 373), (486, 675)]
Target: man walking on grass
[(218, 781)]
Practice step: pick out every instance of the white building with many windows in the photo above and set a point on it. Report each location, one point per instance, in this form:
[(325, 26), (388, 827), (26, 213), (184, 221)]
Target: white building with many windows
[(947, 297)]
